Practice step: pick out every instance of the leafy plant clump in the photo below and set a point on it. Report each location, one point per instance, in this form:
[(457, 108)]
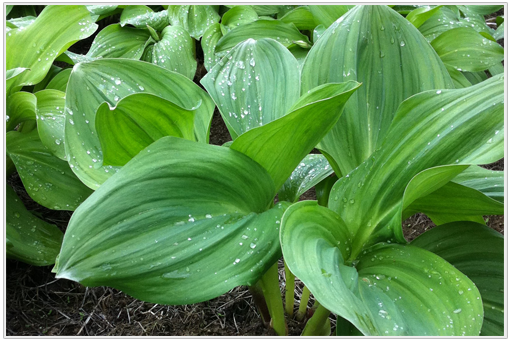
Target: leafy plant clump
[(404, 104)]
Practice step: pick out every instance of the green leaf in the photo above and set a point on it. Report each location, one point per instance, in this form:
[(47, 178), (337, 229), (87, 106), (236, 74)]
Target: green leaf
[(37, 46), (110, 80), (317, 32), (458, 78), (54, 70), (466, 50), (266, 9), (499, 33), (301, 17), (430, 129), (210, 38), (475, 77), (101, 9), (483, 9), (48, 180), (454, 202), (60, 81), (299, 53), (31, 240), (328, 14), (478, 252), (376, 46), (21, 22), (280, 145), (286, 34), (491, 183), (139, 16), (194, 18), (311, 171), (236, 16), (445, 19), (176, 51), (115, 41), (187, 237), (21, 107), (418, 16), (51, 120), (256, 83), (137, 121), (392, 289)]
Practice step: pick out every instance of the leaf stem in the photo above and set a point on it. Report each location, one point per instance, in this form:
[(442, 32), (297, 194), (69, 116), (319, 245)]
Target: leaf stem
[(303, 303), (269, 283), (290, 290), (317, 324)]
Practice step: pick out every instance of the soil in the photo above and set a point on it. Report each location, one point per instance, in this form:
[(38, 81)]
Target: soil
[(37, 304)]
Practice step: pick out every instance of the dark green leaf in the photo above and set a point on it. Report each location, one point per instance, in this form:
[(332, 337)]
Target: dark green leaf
[(194, 18), (301, 17), (210, 38), (51, 120), (60, 81), (21, 107)]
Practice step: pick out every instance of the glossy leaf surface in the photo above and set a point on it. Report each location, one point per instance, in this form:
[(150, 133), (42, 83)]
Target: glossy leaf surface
[(110, 80), (51, 120), (60, 81), (376, 46), (491, 183), (139, 16), (301, 17), (21, 107), (256, 83), (286, 34), (47, 179), (430, 129), (31, 239), (137, 121), (236, 16), (478, 252), (280, 145), (194, 18), (392, 290), (37, 46), (187, 237), (208, 42), (328, 14)]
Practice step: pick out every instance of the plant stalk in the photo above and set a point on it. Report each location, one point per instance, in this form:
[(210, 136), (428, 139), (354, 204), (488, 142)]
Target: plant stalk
[(269, 283), (290, 290), (259, 301), (303, 303), (318, 323)]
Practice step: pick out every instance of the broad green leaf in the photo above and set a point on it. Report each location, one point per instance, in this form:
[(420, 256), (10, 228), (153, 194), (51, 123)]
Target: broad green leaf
[(299, 53), (137, 121), (139, 16), (51, 120), (445, 19), (21, 107), (37, 46), (48, 180), (60, 81), (311, 170), (458, 78), (418, 16), (54, 70), (21, 22), (115, 41), (433, 128), (475, 77), (499, 33), (454, 202), (208, 42), (301, 17), (466, 50), (376, 46), (110, 80), (266, 9), (256, 83), (483, 9), (280, 145), (323, 189), (491, 183), (391, 290), (286, 34), (327, 14), (317, 32), (12, 73), (194, 18), (101, 9), (187, 237), (496, 69), (236, 16), (478, 252), (176, 51), (31, 239)]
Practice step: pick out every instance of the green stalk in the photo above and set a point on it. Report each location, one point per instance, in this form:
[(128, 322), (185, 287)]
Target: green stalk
[(290, 289), (318, 324), (269, 283), (303, 303)]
